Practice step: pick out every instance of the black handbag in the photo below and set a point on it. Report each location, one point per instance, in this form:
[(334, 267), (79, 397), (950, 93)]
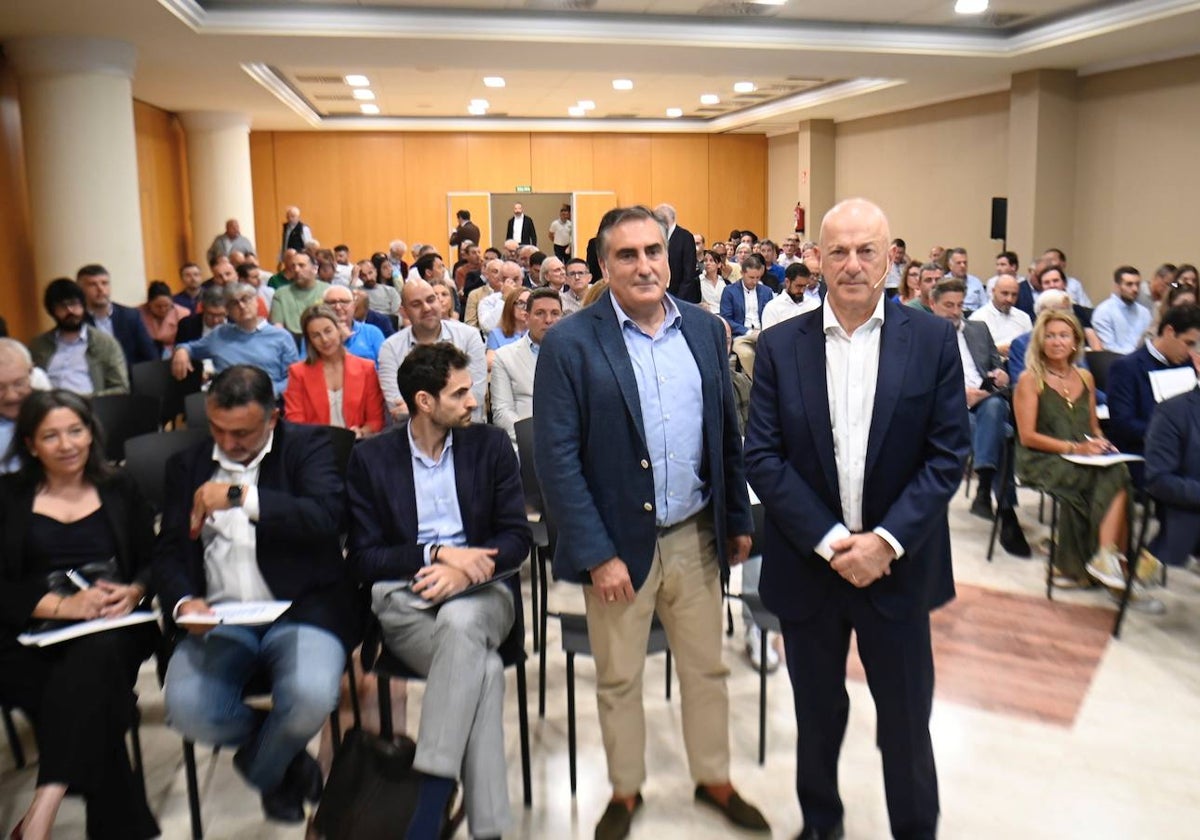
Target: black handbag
[(58, 583), (371, 793)]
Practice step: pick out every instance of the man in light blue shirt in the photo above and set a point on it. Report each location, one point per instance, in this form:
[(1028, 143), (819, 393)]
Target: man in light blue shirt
[(976, 293), (1121, 322), (364, 339), (249, 340)]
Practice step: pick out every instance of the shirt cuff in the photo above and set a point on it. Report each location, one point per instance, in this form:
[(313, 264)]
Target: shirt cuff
[(426, 551), (890, 540), (250, 502), (837, 532), (178, 604)]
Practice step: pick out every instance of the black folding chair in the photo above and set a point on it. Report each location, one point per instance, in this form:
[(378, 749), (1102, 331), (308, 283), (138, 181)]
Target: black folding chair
[(146, 459), (539, 553), (123, 416), (195, 411), (154, 379)]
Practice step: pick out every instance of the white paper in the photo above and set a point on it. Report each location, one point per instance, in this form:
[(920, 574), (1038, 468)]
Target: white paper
[(1102, 460), (85, 628), (1172, 382), (1102, 412), (247, 613)]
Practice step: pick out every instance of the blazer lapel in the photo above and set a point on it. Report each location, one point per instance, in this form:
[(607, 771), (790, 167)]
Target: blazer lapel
[(894, 349), (352, 387), (811, 372), (464, 483), (612, 344), (702, 352), (314, 387)]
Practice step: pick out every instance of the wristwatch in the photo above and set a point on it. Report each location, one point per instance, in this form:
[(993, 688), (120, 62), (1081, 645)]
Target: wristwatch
[(235, 494)]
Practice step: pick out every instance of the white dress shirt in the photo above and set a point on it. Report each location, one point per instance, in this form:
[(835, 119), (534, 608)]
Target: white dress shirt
[(1004, 328), (783, 307), (753, 322), (972, 378), (489, 311), (518, 226), (851, 374)]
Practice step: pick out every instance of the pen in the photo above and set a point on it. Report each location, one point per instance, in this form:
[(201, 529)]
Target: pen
[(79, 580), (1108, 447)]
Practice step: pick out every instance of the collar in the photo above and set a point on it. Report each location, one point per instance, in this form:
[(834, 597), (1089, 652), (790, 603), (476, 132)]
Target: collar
[(105, 316), (829, 321), (233, 466), (1153, 351), (673, 319), (258, 327), (420, 455)]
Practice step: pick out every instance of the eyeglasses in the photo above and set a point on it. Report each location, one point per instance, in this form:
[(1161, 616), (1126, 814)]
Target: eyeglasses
[(243, 301), (521, 304)]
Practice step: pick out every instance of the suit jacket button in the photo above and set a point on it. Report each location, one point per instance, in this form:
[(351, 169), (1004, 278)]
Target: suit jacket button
[(647, 507), (645, 464)]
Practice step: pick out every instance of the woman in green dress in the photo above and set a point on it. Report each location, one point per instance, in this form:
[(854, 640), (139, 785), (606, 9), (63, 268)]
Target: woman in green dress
[(1055, 407)]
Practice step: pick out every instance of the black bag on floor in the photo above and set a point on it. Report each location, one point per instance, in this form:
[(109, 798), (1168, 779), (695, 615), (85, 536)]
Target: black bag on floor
[(371, 792)]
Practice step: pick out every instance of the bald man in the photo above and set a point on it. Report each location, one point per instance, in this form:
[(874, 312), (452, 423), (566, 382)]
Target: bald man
[(856, 457), (1001, 316), (296, 234)]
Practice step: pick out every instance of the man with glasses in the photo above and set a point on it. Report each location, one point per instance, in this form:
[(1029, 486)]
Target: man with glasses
[(18, 379), (361, 339), (248, 340), (579, 277)]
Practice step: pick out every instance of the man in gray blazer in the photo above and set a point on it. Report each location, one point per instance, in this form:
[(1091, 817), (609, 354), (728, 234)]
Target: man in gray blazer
[(514, 365)]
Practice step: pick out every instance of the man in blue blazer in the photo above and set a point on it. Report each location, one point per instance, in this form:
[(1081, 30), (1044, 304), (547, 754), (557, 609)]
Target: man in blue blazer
[(121, 322), (857, 438), (639, 457), (1173, 476), (435, 507), (256, 514), (734, 297)]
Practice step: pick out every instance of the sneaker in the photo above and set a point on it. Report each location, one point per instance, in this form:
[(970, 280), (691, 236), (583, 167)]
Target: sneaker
[(754, 649), (1141, 601), (1149, 569), (1105, 566)]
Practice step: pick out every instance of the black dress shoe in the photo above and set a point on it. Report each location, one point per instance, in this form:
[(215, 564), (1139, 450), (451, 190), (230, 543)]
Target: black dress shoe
[(617, 819), (303, 775), (284, 804), (811, 833), (737, 810), (1012, 538), (982, 507)]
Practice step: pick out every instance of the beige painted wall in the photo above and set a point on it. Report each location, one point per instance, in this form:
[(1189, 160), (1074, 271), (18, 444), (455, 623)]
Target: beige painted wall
[(934, 171), (782, 185), (1137, 170)]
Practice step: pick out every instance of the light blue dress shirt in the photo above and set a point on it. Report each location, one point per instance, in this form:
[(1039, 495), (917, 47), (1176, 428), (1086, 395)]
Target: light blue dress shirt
[(270, 348), (669, 390), (68, 367), (439, 519), (7, 427), (365, 341), (1120, 326)]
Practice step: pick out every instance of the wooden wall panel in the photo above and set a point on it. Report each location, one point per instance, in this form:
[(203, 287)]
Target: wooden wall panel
[(374, 203), (561, 162), (621, 163), (308, 174), (268, 213), (433, 166), (679, 177), (478, 204), (589, 210), (737, 185), (496, 163), (20, 291), (161, 185)]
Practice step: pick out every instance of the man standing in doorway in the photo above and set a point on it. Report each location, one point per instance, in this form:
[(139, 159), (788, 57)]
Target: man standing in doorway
[(521, 227)]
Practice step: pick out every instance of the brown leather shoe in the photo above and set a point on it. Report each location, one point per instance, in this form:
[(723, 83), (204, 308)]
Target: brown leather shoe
[(737, 810), (617, 818)]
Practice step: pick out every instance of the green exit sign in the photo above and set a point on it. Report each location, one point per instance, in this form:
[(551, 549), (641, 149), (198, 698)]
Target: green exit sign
[(524, 188)]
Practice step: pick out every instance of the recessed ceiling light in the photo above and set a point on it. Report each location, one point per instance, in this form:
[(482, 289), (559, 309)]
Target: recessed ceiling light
[(480, 103), (673, 113), (493, 81), (622, 84), (971, 7), (476, 110), (744, 87), (368, 108), (364, 94), (357, 81), (577, 111), (586, 104), (709, 99), (768, 2)]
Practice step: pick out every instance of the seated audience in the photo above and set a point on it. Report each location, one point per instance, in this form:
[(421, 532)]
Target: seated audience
[(794, 299), (1173, 477), (256, 277), (381, 297), (223, 272), (231, 240), (986, 386), (363, 312), (121, 322), (956, 267), (742, 305), (514, 321), (579, 277), (1055, 258), (773, 279), (249, 340), (18, 379), (255, 514), (76, 356), (414, 553), (1055, 298), (361, 339), (397, 250), (712, 284), (1000, 315), (595, 292), (491, 306), (161, 316), (211, 313), (304, 291), (331, 386), (1055, 407), (384, 274), (910, 283), (191, 279), (931, 275), (1186, 275), (420, 305), (67, 519), (514, 364), (1051, 279), (1120, 321), (447, 297)]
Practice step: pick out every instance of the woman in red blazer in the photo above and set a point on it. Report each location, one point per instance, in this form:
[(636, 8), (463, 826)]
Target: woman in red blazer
[(332, 387)]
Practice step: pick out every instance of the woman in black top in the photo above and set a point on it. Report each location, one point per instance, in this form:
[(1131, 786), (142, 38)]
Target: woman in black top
[(66, 510)]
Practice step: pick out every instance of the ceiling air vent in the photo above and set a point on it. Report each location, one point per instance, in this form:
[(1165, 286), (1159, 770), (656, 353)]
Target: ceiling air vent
[(334, 97), (321, 80)]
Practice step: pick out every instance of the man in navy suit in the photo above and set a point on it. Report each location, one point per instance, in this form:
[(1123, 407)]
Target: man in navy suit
[(437, 507), (857, 438), (1173, 475), (121, 322), (742, 305), (639, 454), (255, 514), (681, 256)]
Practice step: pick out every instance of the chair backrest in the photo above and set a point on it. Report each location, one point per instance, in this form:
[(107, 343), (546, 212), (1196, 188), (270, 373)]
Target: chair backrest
[(154, 379), (529, 480), (343, 441), (195, 411), (123, 416), (1099, 362), (146, 459)]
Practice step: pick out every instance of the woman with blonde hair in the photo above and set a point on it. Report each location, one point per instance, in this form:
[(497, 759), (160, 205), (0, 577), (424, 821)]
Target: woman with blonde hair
[(1055, 408), (514, 318)]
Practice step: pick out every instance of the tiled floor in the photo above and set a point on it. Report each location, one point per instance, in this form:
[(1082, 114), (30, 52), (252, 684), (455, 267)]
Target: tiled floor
[(1043, 728)]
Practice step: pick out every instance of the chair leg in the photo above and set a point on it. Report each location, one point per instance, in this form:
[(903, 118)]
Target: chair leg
[(728, 619), (668, 673), (533, 597), (762, 698), (135, 739), (571, 718), (193, 789), (1053, 541), (523, 719), (542, 682), (385, 706), (542, 618), (1041, 508), (1131, 567), (14, 743), (1004, 461)]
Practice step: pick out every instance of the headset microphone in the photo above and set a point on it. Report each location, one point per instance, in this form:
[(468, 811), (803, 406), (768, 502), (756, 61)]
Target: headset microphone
[(882, 280)]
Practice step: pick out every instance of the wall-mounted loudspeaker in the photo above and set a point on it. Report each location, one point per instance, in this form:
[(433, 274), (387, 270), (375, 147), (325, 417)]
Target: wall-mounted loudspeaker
[(999, 218)]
